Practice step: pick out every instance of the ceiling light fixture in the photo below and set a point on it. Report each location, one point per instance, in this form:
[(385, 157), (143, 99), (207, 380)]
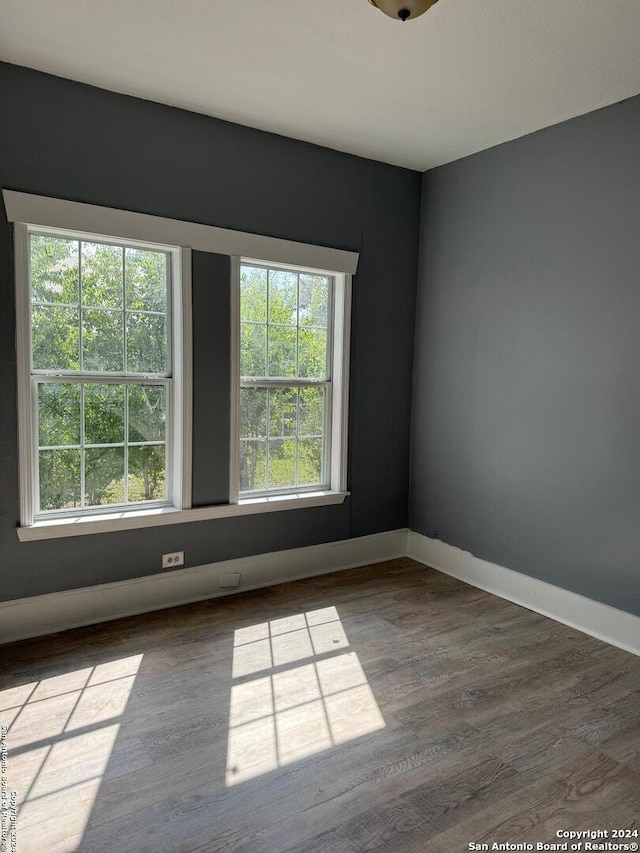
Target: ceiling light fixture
[(402, 10)]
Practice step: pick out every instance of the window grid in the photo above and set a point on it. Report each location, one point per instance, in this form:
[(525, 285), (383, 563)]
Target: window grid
[(80, 336), (128, 381), (267, 472), (126, 450), (125, 311), (266, 350), (297, 436), (83, 464), (296, 382), (84, 445)]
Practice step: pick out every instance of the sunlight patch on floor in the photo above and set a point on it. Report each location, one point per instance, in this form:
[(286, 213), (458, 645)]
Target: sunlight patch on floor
[(317, 697), (62, 731)]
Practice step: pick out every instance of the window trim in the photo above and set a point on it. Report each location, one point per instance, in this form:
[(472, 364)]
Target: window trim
[(128, 226), (178, 460), (336, 437), (111, 522)]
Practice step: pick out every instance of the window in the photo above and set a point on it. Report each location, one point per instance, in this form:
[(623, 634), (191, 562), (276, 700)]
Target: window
[(292, 380), (104, 401), (105, 364)]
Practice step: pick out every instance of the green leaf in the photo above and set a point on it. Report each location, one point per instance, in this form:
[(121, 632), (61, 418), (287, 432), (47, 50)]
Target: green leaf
[(282, 351), (146, 280), (103, 413), (147, 412), (283, 411), (54, 269), (253, 465), (312, 353), (310, 461), (147, 473), (314, 300), (146, 343), (311, 411), (58, 414), (253, 294), (282, 463), (283, 297), (55, 335), (253, 349), (102, 275), (59, 472), (102, 338), (253, 412), (104, 476)]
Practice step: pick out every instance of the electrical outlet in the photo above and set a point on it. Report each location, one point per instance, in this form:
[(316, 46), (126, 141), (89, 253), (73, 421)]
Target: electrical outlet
[(170, 561), (230, 580)]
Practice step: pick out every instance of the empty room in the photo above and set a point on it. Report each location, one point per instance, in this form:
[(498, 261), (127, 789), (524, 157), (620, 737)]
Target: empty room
[(319, 426)]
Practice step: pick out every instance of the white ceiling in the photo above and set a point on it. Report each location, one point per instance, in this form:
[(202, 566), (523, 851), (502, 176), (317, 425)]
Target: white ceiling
[(467, 75)]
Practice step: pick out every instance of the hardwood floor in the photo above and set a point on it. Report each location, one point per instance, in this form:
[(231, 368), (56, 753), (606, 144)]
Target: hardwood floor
[(388, 708)]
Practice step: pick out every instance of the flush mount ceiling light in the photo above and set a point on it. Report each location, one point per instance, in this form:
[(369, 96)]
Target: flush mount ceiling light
[(402, 10)]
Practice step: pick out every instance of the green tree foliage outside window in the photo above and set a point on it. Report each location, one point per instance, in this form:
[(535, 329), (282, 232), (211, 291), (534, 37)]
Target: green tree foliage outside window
[(284, 334), (99, 309)]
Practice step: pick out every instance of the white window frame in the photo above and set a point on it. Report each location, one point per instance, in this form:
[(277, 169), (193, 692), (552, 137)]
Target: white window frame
[(339, 331), (177, 379), (128, 227)]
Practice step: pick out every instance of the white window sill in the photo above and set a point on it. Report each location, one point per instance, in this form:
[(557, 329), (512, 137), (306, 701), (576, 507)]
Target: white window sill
[(110, 522)]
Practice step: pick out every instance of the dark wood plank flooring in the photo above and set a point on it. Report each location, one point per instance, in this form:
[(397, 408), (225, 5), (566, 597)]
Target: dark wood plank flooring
[(388, 708)]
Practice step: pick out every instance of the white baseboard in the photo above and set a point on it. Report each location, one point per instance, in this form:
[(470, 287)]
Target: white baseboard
[(606, 623), (58, 611)]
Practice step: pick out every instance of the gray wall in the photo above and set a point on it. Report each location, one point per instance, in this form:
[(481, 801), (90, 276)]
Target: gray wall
[(526, 412), (73, 141)]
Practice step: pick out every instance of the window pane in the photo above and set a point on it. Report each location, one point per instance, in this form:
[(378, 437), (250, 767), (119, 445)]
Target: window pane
[(312, 353), (104, 476), (311, 411), (103, 414), (146, 343), (282, 463), (295, 420), (147, 412), (253, 412), (59, 479), (102, 341), (253, 349), (310, 461), (313, 300), (283, 297), (146, 280), (147, 473), (282, 351), (55, 338), (58, 414), (100, 308), (102, 275), (253, 465), (283, 414), (253, 294), (54, 269), (294, 342)]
